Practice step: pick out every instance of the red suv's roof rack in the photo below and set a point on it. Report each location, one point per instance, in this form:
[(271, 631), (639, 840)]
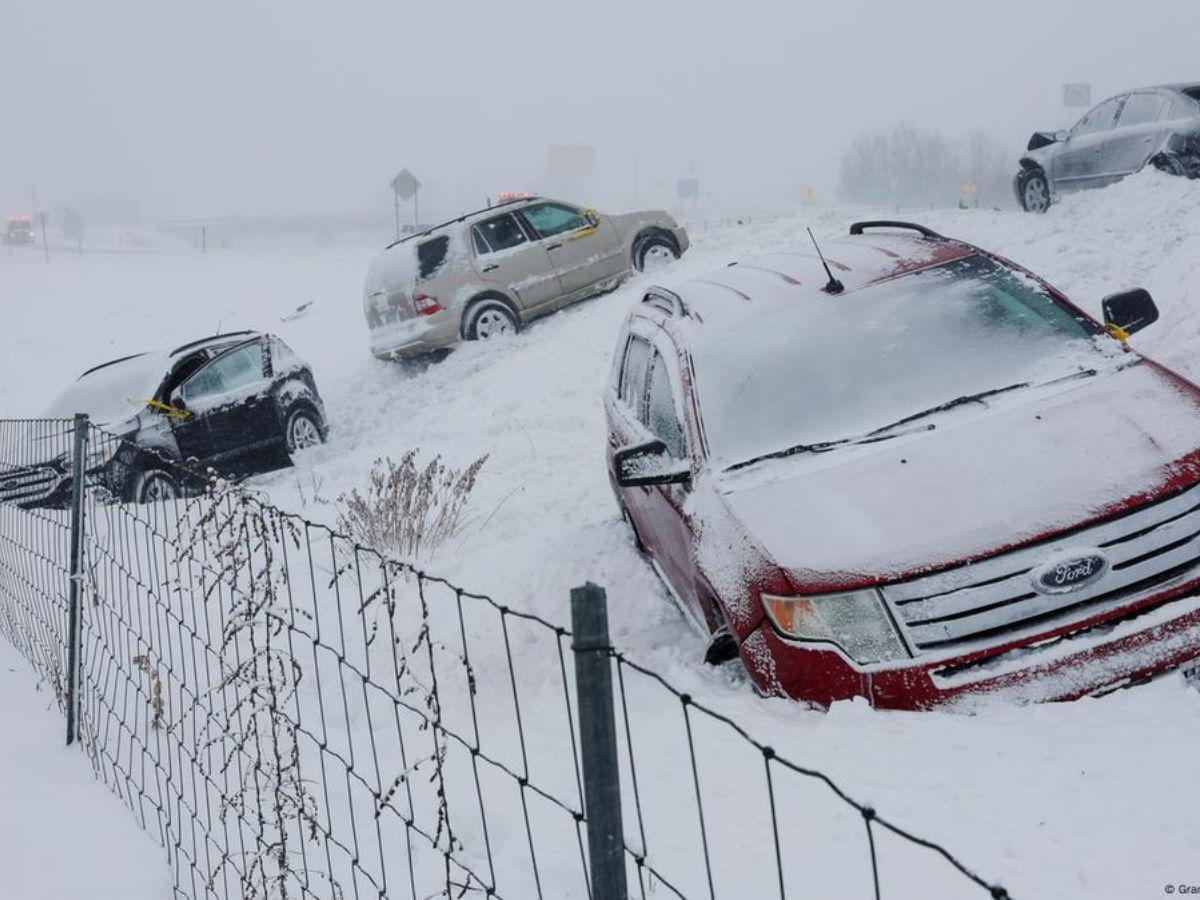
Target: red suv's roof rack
[(859, 227)]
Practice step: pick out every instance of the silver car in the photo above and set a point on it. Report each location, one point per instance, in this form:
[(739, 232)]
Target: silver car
[(491, 271), (1157, 126)]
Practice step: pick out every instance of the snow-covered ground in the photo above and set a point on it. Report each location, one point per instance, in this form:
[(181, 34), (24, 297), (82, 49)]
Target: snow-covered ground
[(61, 833), (1097, 798)]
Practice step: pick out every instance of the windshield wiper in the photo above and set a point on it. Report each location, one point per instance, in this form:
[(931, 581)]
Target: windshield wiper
[(822, 446), (949, 404), (883, 433)]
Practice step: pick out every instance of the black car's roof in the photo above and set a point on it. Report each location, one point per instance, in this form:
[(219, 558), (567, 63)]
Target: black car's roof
[(237, 336), (214, 339)]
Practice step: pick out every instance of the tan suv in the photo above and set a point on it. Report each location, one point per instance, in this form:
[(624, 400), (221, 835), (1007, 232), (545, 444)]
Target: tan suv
[(491, 271)]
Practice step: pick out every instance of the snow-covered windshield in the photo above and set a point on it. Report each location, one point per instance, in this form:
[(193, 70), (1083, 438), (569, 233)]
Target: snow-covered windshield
[(114, 392), (840, 366)]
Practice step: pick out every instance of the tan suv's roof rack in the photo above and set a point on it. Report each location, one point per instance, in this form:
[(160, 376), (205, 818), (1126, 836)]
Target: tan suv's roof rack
[(462, 218)]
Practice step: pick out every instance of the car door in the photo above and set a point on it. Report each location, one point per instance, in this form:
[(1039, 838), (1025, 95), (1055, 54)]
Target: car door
[(507, 256), (1140, 132), (648, 404), (232, 424), (585, 249), (1079, 162)]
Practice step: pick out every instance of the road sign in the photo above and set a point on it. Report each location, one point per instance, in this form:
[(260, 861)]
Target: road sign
[(405, 185), (687, 188), (1077, 96)]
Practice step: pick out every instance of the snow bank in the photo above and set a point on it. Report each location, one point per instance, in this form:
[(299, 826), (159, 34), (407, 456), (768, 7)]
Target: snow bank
[(1093, 798), (61, 833)]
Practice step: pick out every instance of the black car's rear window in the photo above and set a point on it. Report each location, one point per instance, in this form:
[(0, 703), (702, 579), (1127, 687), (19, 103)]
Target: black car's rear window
[(430, 256)]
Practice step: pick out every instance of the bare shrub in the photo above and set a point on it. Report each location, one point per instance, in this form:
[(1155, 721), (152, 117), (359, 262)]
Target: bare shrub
[(407, 509)]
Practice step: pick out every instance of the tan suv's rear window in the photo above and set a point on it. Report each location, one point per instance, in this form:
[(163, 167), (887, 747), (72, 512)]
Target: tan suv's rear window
[(430, 256)]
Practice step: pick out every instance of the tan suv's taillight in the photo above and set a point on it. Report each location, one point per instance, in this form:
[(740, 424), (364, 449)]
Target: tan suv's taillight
[(424, 305)]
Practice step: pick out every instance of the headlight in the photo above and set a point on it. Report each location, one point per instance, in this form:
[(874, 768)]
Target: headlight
[(856, 621)]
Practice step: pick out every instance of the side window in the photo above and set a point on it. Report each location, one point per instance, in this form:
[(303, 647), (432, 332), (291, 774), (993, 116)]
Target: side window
[(1141, 109), (549, 219), (431, 255), (1177, 108), (1099, 119), (236, 369), (661, 417), (499, 233), (633, 376)]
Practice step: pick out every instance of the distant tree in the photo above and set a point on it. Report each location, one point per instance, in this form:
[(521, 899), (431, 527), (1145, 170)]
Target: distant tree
[(909, 166)]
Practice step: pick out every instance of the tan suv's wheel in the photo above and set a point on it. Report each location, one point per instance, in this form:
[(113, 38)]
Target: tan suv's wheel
[(653, 253), (487, 319)]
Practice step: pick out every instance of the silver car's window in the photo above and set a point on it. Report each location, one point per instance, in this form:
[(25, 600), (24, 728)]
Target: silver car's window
[(1099, 119), (549, 219), (500, 233), (1179, 108), (660, 409), (633, 376), (236, 369), (1140, 109)]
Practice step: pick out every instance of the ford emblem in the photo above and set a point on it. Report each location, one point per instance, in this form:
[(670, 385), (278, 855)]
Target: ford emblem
[(1070, 571)]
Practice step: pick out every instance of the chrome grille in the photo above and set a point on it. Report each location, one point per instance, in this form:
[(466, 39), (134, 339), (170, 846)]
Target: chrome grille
[(28, 485), (994, 600)]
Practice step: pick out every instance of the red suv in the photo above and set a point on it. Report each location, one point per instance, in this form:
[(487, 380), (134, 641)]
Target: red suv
[(916, 474)]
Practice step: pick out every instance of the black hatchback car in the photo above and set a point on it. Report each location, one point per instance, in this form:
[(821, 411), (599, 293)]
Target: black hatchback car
[(237, 403), (1159, 126)]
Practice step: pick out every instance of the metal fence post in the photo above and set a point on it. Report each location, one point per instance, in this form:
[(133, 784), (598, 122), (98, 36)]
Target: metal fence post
[(598, 742), (78, 474)]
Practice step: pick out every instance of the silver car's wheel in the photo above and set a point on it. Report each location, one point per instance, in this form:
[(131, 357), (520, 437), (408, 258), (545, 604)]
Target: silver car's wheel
[(302, 431), (489, 319), (1035, 196), (654, 254)]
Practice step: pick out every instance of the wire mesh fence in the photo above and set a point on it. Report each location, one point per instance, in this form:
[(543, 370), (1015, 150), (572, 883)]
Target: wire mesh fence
[(294, 715)]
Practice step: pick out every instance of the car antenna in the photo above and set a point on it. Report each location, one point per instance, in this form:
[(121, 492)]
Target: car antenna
[(833, 286)]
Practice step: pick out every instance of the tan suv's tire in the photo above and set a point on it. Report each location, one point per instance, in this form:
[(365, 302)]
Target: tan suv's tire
[(489, 318), (653, 252)]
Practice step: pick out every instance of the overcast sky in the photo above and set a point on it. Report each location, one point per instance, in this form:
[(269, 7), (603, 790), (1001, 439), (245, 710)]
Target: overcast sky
[(242, 106)]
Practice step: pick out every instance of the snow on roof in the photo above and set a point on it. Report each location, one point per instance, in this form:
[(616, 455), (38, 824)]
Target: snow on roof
[(761, 284)]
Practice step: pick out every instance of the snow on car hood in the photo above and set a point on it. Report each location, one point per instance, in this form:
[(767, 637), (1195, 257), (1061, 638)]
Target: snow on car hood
[(985, 479)]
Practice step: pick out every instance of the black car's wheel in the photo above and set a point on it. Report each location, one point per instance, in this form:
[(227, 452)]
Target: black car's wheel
[(489, 318), (303, 430), (1034, 191), (155, 486), (654, 252)]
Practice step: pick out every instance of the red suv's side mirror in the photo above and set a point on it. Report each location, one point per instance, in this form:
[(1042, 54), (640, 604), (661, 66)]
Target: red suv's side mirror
[(1128, 311), (642, 465)]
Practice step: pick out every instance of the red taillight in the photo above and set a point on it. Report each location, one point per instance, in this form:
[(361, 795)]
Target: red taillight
[(426, 305)]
